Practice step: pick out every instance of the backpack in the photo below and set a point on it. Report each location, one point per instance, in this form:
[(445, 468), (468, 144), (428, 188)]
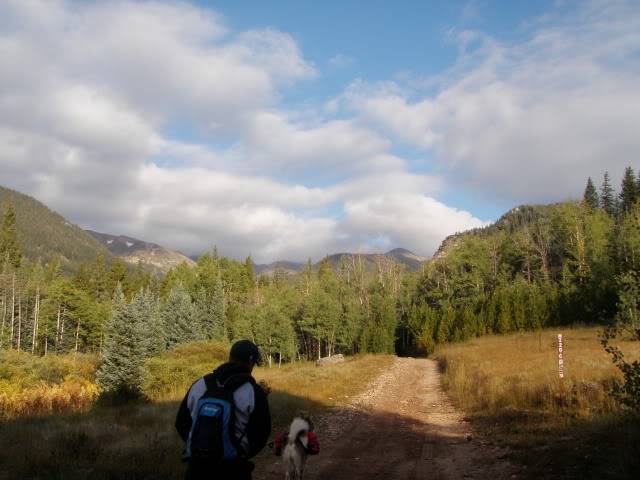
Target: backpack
[(212, 436)]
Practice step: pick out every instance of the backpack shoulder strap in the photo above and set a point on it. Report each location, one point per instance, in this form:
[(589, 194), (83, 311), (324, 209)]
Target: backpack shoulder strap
[(236, 381), (211, 382)]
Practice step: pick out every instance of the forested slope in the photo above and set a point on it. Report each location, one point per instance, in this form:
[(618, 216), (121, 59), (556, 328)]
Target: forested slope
[(570, 262), (44, 234)]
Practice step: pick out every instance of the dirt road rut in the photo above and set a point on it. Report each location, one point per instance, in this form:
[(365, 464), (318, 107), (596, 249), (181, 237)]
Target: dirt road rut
[(403, 427)]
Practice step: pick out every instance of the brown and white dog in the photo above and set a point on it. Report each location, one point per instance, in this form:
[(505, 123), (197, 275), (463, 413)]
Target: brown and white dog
[(294, 455)]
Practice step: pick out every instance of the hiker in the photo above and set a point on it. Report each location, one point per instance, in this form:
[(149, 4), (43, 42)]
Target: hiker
[(224, 419)]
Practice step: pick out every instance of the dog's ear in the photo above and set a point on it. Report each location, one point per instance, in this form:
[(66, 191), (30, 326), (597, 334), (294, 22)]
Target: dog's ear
[(307, 418)]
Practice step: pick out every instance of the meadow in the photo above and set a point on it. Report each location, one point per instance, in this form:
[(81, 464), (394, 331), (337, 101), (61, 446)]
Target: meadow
[(511, 391), (74, 435)]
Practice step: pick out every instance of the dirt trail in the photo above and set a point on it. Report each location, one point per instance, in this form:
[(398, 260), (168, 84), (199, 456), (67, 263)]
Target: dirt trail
[(403, 427)]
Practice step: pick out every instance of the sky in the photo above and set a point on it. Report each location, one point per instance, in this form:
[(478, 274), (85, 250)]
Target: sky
[(289, 130)]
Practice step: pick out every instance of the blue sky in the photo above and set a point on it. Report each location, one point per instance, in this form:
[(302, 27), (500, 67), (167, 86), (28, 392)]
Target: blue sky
[(289, 130), (381, 40)]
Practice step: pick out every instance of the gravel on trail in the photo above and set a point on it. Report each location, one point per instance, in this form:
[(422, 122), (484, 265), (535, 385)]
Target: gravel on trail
[(403, 426)]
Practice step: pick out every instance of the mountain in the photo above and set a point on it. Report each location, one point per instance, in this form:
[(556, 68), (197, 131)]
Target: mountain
[(512, 221), (44, 234), (135, 251), (284, 265), (402, 256), (370, 261), (406, 257)]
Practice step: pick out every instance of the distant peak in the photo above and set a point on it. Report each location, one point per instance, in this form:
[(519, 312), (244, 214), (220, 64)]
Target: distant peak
[(400, 251)]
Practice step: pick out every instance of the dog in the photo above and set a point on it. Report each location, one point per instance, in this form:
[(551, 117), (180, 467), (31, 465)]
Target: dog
[(294, 454)]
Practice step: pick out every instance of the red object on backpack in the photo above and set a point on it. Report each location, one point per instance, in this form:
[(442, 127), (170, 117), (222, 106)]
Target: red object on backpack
[(313, 446)]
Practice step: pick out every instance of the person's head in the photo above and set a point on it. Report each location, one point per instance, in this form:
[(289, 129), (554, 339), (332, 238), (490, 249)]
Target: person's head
[(246, 353)]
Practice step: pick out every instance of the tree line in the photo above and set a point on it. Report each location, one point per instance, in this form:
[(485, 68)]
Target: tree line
[(537, 266)]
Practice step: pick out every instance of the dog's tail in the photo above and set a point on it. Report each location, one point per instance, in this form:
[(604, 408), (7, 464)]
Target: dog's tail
[(298, 431)]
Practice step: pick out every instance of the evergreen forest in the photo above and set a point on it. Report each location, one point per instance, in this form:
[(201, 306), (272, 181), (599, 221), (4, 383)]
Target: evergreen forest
[(538, 266)]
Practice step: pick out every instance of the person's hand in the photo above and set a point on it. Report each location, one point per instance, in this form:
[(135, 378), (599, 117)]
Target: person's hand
[(265, 386)]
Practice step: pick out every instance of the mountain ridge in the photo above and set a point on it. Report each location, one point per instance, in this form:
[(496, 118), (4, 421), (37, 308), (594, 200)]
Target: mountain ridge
[(45, 235), (402, 256), (134, 251), (512, 220)]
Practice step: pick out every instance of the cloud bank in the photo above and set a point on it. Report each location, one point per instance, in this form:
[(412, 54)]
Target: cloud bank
[(531, 120), (155, 120)]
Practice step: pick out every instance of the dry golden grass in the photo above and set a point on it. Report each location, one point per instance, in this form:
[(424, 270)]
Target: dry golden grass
[(330, 385), (294, 386), (31, 386), (303, 386), (570, 428), (139, 440), (519, 373), (171, 374)]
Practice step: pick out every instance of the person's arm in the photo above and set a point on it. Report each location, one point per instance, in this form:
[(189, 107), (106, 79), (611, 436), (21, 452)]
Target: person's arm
[(183, 419), (259, 426)]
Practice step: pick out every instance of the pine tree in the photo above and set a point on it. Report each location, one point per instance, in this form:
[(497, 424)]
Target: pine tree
[(10, 251), (590, 195), (250, 274), (629, 191), (178, 317), (147, 309), (125, 349), (607, 200), (209, 311)]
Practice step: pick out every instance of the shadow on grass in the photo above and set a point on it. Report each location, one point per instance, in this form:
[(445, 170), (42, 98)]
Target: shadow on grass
[(607, 447), (138, 441)]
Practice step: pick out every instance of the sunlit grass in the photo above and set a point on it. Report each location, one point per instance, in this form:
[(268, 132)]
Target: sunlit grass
[(509, 387), (32, 385), (519, 373), (138, 440)]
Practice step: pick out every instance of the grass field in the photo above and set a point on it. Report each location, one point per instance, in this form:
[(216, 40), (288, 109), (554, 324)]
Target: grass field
[(138, 440), (31, 385), (509, 387)]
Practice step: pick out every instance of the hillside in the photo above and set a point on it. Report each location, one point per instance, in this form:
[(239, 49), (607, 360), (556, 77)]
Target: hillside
[(370, 261), (512, 221), (282, 265), (44, 234), (135, 251)]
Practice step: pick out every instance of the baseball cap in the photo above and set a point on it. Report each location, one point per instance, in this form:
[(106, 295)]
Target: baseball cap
[(245, 351)]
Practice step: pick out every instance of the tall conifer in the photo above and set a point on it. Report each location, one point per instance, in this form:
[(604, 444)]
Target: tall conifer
[(607, 200), (629, 191), (178, 317), (125, 349), (10, 251), (590, 198)]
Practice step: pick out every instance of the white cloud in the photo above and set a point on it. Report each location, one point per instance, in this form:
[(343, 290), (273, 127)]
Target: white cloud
[(94, 98), (532, 120), (416, 221), (274, 142)]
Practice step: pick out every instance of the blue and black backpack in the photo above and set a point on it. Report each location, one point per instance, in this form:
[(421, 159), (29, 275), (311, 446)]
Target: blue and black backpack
[(212, 435)]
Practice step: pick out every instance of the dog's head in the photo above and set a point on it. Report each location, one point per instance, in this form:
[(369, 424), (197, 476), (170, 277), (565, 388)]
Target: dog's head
[(307, 418), (299, 430)]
